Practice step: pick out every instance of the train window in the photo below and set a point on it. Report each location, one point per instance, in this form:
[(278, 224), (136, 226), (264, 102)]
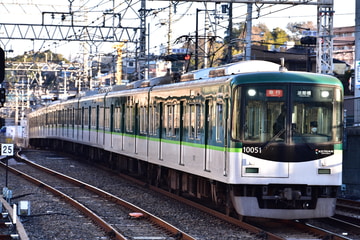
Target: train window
[(262, 111), (77, 117), (93, 117), (101, 117), (86, 117), (153, 120), (219, 122), (107, 118), (313, 119), (143, 119), (117, 119), (313, 114), (63, 117), (129, 119), (71, 116), (195, 120), (170, 120)]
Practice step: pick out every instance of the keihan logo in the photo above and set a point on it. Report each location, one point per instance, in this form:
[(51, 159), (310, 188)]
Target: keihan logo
[(324, 151)]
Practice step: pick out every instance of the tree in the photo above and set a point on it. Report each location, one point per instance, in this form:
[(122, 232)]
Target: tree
[(277, 37), (259, 32), (39, 57)]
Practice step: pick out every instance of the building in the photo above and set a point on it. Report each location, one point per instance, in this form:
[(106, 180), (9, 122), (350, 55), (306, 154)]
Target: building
[(344, 44)]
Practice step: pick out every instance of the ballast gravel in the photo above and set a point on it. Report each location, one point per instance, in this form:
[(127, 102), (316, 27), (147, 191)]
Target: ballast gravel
[(51, 218)]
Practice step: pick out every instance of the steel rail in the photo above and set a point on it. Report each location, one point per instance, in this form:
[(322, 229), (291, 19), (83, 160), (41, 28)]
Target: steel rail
[(107, 228), (236, 222), (150, 217)]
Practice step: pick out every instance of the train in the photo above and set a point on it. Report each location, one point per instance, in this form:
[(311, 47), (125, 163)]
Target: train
[(250, 138)]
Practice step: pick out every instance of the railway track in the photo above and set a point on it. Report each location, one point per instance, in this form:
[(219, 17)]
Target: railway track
[(119, 218), (346, 221), (267, 229), (348, 210)]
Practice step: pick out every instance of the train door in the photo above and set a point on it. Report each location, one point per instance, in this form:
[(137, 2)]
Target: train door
[(223, 120), (97, 123), (111, 125), (136, 128), (82, 122), (207, 134), (122, 125), (161, 105), (181, 132)]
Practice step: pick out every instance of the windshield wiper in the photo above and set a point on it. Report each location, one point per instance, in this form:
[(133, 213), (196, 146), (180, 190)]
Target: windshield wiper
[(273, 138)]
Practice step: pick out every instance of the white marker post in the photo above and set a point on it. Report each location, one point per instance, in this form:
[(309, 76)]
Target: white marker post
[(7, 150)]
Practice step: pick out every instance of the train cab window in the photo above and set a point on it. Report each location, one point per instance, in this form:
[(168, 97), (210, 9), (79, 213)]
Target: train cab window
[(258, 113), (313, 118), (308, 114)]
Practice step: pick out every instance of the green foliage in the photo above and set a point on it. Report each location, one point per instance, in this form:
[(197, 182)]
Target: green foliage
[(39, 57), (278, 37)]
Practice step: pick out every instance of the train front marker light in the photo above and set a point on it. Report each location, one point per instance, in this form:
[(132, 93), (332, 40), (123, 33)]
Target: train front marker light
[(325, 94), (252, 92)]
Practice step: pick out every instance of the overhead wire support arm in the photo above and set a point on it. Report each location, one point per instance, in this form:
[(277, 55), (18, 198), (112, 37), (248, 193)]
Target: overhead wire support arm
[(81, 33)]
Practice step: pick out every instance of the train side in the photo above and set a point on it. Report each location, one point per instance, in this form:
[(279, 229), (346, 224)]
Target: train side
[(214, 139)]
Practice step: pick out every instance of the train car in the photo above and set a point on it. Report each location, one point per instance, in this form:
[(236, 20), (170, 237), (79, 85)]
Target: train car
[(246, 137)]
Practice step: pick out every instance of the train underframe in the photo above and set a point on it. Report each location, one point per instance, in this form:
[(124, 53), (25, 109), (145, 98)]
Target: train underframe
[(272, 201)]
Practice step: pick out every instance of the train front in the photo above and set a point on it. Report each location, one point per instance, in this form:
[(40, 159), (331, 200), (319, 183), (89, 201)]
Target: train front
[(289, 129)]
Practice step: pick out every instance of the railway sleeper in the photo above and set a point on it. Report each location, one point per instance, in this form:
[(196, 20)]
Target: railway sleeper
[(199, 189)]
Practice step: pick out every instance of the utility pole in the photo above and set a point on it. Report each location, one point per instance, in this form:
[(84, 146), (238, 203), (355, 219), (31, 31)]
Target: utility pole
[(169, 47), (325, 42), (230, 34), (142, 47), (248, 32)]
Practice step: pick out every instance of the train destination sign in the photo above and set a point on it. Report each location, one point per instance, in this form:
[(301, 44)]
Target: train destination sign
[(274, 93)]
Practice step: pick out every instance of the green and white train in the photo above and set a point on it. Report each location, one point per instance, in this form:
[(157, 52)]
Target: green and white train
[(247, 137)]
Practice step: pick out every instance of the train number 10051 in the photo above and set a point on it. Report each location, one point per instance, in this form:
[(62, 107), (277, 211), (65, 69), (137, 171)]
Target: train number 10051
[(252, 149)]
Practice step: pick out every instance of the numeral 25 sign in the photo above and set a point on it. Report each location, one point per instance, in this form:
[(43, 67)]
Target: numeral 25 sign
[(7, 149)]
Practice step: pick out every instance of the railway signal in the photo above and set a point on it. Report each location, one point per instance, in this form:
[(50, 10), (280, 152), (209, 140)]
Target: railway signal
[(177, 57), (2, 96)]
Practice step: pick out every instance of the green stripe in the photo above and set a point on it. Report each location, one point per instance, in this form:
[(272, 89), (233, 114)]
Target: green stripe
[(338, 146)]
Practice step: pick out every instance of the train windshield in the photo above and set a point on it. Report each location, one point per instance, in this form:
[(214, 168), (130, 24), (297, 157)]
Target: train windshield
[(287, 113)]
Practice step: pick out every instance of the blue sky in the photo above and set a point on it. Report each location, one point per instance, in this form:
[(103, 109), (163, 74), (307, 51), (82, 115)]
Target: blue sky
[(184, 19)]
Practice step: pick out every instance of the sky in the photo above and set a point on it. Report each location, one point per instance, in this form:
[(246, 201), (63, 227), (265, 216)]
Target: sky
[(183, 15)]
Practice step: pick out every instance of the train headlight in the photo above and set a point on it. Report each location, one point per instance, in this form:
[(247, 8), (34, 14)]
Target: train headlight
[(251, 92), (325, 94)]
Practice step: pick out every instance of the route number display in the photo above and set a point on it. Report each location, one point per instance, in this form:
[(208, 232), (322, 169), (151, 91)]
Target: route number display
[(7, 149)]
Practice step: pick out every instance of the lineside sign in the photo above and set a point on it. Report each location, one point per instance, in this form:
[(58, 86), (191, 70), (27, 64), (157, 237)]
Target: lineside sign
[(293, 2), (7, 149)]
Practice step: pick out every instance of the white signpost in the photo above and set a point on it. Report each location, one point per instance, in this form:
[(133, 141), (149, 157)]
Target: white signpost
[(7, 149)]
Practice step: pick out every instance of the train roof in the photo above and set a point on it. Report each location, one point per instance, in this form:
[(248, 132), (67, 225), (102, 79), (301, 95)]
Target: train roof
[(282, 77), (231, 69)]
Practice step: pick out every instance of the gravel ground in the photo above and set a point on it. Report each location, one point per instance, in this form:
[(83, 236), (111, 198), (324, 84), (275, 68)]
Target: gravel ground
[(53, 219)]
